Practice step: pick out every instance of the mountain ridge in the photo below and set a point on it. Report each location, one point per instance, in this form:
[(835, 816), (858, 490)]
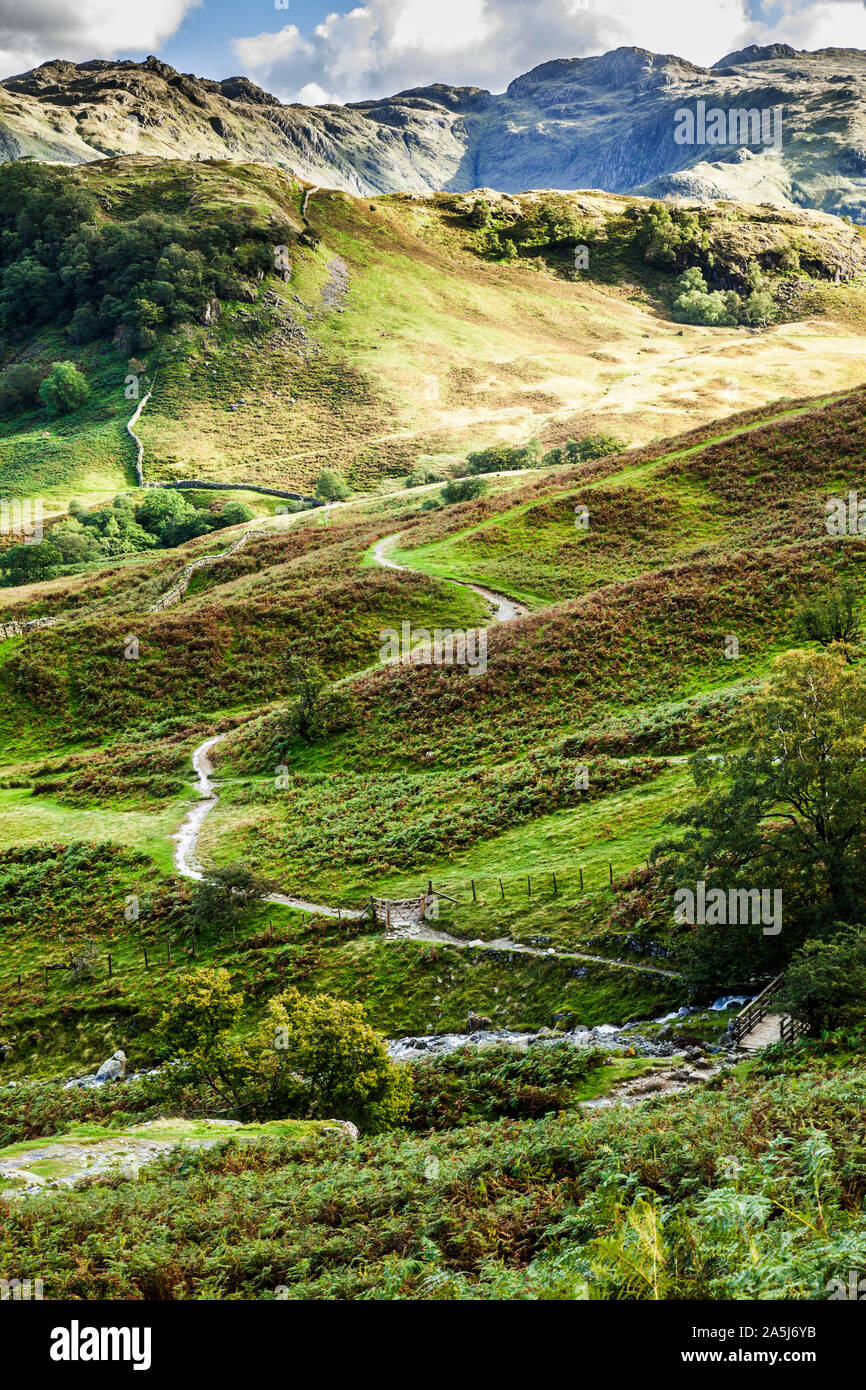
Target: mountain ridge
[(606, 121)]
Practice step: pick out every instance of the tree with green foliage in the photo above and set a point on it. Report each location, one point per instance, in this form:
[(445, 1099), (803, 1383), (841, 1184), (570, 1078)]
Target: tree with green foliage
[(233, 514), (311, 1057), (164, 511), (331, 486), (590, 446), (64, 389), (29, 564), (694, 302), (19, 388), (825, 982), (329, 1061), (225, 894), (671, 237), (833, 618), (318, 711), (76, 543), (422, 474), (463, 490), (788, 812), (479, 216), (501, 458)]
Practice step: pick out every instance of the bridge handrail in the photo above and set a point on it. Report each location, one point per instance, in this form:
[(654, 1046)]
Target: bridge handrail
[(755, 1011)]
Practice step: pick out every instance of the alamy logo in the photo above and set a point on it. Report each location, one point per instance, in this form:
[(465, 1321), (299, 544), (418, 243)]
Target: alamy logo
[(854, 1290), (22, 517), (21, 1290), (736, 126), (443, 647), (77, 1343), (846, 516), (739, 907)]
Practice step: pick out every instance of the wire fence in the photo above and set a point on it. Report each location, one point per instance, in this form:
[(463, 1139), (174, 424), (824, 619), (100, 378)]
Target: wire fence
[(87, 964)]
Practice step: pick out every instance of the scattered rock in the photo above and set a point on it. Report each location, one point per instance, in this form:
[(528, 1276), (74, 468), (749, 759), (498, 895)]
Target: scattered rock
[(477, 1022), (342, 1127)]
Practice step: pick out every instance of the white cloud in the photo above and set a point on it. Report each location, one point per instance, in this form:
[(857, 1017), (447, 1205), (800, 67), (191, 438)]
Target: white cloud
[(825, 24), (313, 95), (34, 32), (385, 46)]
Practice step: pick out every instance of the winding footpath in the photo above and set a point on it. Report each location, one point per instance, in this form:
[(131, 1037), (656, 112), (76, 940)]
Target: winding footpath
[(186, 839)]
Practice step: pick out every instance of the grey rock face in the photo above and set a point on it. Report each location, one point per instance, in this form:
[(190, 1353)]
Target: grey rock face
[(574, 123)]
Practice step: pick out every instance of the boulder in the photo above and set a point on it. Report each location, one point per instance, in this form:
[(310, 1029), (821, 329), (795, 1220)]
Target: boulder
[(113, 1069), (475, 1023), (341, 1127)]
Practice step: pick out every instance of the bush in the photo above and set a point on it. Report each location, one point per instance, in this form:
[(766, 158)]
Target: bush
[(64, 389), (463, 490), (331, 486), (19, 388), (311, 1058), (474, 1084), (422, 474)]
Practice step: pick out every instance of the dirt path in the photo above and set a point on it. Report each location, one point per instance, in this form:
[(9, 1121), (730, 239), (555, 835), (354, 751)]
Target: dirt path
[(186, 838), (505, 609), (188, 866)]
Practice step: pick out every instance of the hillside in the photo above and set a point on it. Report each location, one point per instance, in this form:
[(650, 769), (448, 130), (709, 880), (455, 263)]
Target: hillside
[(428, 773), (404, 329), (432, 597), (605, 122)]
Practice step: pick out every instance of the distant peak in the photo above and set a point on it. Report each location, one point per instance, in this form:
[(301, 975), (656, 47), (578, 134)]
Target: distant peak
[(756, 53)]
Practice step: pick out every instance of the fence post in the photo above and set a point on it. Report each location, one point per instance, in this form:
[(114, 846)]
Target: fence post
[(46, 977), (474, 899), (146, 966), (501, 890), (610, 872), (168, 944), (581, 880), (109, 965), (554, 885), (528, 886)]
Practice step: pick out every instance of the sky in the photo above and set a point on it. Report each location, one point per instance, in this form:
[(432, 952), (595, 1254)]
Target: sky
[(310, 51)]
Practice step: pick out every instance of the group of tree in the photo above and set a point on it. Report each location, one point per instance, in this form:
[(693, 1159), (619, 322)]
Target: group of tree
[(549, 224), (310, 1057), (695, 302), (164, 518), (786, 812), (502, 458), (63, 261), (61, 389)]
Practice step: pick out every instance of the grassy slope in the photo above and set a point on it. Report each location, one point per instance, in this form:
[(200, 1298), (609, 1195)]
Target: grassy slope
[(432, 351), (723, 537)]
